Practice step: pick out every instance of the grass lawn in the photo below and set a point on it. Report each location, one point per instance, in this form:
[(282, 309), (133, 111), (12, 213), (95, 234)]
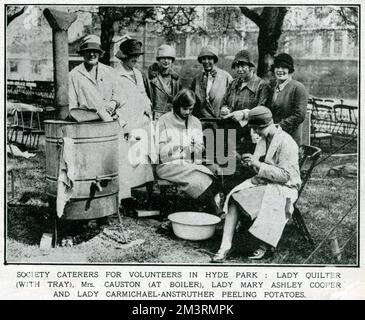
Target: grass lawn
[(324, 201)]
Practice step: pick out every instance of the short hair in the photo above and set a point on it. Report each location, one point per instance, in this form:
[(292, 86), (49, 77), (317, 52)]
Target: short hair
[(283, 65), (184, 98)]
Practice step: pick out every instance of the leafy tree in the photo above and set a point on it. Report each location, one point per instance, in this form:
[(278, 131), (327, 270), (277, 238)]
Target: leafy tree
[(126, 15), (171, 21), (269, 20), (349, 16), (223, 21), (167, 20)]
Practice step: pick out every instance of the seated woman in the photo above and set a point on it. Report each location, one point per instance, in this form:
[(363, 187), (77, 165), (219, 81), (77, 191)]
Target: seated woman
[(180, 144), (267, 199)]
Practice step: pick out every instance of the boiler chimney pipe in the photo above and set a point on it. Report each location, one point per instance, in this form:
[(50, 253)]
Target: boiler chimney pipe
[(60, 21)]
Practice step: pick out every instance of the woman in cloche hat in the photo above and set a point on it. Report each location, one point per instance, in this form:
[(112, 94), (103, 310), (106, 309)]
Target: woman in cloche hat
[(161, 81), (290, 98), (244, 93), (264, 201), (92, 85), (210, 84), (135, 145)]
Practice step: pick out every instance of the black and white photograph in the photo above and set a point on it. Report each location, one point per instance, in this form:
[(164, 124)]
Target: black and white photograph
[(181, 135)]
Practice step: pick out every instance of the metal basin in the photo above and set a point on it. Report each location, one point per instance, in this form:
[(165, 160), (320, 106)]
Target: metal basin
[(190, 225)]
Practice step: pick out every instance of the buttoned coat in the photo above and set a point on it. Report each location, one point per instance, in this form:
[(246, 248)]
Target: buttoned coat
[(257, 92), (290, 107), (86, 92), (161, 93), (210, 108)]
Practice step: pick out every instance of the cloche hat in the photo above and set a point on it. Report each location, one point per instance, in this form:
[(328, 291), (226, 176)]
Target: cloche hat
[(208, 51), (90, 42), (166, 51), (260, 117), (284, 59), (129, 47), (243, 56)]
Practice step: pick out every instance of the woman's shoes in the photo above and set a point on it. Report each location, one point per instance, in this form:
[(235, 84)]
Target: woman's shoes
[(260, 253), (220, 256)]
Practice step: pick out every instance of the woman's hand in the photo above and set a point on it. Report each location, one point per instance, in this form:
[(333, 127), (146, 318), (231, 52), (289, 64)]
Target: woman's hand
[(225, 111), (249, 160), (238, 115), (111, 107), (104, 115)]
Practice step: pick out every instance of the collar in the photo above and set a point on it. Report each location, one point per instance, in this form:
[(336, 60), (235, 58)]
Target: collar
[(81, 68), (154, 70), (123, 71), (274, 142), (164, 72), (252, 85), (213, 72), (281, 86)]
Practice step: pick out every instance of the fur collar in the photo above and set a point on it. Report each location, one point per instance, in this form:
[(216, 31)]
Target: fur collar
[(154, 69)]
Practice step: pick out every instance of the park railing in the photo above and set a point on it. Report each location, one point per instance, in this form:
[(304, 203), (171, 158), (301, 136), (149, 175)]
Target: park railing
[(39, 93), (328, 115), (333, 117)]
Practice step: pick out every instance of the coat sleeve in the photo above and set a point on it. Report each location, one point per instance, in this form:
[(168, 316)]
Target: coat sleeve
[(119, 94), (286, 166), (198, 137), (196, 111), (299, 109), (225, 101), (167, 150), (147, 86), (265, 95), (229, 80), (193, 83), (178, 85), (72, 93)]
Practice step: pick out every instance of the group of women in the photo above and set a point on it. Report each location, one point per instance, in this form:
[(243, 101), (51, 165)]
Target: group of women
[(247, 103)]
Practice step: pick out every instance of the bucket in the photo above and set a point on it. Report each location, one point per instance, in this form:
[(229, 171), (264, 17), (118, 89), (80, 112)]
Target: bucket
[(96, 184), (190, 225)]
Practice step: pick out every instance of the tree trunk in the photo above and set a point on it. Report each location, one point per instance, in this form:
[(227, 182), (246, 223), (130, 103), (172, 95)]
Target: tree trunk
[(106, 38), (272, 19)]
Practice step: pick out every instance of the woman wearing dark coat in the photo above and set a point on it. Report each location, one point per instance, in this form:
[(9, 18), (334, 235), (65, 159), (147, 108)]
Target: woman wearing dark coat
[(290, 97), (161, 81)]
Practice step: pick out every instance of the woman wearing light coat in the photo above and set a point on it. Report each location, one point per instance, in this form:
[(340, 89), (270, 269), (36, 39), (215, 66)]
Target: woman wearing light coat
[(267, 199), (135, 121), (92, 85), (180, 142)]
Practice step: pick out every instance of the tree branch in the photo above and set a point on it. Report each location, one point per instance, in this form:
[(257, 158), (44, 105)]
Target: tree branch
[(252, 15), (10, 18)]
